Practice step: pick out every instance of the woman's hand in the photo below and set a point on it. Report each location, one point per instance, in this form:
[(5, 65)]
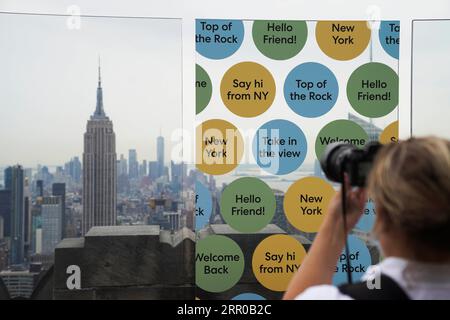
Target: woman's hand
[(355, 203), (319, 265)]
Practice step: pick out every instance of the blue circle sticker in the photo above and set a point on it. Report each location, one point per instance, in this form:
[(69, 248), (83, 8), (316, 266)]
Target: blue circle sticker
[(389, 34), (248, 296), (311, 89), (279, 147), (367, 219), (218, 39), (203, 205), (360, 260)]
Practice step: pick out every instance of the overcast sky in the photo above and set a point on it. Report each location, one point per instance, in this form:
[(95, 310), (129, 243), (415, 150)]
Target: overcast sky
[(48, 85), (431, 78)]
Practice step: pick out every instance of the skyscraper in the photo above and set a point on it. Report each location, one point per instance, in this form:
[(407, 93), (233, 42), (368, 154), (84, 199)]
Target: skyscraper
[(5, 211), (27, 216), (160, 155), (51, 223), (40, 188), (153, 170), (143, 169), (133, 164), (122, 166), (178, 175), (14, 181), (59, 189), (73, 169), (99, 168)]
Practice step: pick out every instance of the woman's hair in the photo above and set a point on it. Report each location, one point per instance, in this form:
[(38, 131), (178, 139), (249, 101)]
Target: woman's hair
[(410, 185)]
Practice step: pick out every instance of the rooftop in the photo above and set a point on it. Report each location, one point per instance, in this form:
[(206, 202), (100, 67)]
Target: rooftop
[(141, 230)]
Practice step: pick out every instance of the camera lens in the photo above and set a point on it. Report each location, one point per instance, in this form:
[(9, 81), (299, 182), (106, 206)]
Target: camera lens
[(333, 158)]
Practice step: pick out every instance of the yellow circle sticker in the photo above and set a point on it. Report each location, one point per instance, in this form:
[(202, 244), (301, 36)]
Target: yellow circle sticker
[(219, 147), (247, 89), (390, 133), (342, 40), (306, 202), (276, 259)]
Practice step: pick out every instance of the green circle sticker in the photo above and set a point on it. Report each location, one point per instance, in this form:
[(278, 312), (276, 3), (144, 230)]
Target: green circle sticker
[(340, 131), (279, 39), (203, 89), (247, 204), (372, 90), (219, 263)]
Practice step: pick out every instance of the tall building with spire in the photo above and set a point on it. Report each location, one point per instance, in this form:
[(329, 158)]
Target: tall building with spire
[(99, 168)]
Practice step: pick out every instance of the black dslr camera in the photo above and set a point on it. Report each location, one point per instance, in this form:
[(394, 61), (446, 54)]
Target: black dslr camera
[(339, 158)]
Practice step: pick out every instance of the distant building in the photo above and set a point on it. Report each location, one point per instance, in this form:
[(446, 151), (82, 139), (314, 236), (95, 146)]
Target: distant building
[(99, 169), (212, 183), (160, 155), (372, 130), (4, 261), (123, 184), (44, 175), (51, 223), (40, 188), (164, 212), (59, 189), (279, 217), (178, 173), (2, 235), (20, 283), (5, 211), (38, 248), (143, 169), (133, 164), (122, 166), (27, 219), (173, 220), (153, 170), (14, 181), (73, 169), (36, 224)]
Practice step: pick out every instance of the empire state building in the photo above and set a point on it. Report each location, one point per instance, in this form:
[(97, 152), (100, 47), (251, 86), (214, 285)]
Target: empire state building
[(99, 168)]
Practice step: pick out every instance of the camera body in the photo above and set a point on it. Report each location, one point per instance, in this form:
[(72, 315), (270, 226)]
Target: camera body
[(339, 158)]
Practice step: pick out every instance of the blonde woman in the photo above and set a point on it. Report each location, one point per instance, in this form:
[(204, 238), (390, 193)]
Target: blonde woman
[(410, 185)]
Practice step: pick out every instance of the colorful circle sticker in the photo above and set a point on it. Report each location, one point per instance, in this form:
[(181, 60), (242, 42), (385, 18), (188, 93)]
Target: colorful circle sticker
[(276, 259), (203, 205), (203, 89), (219, 263), (311, 89), (306, 203), (279, 39), (342, 40), (360, 260), (390, 133), (247, 89), (279, 147), (367, 219), (219, 147), (247, 204), (340, 131), (248, 296), (218, 39), (389, 34), (372, 90)]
